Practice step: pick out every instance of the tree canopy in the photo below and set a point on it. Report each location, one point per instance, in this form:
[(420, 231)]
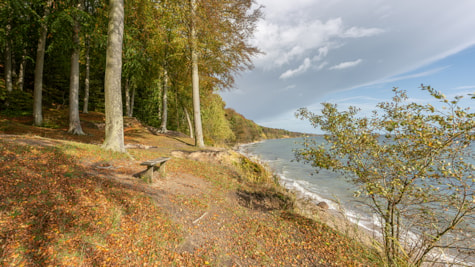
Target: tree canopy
[(54, 55)]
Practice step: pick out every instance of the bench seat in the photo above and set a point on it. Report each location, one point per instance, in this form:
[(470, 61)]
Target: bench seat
[(152, 165)]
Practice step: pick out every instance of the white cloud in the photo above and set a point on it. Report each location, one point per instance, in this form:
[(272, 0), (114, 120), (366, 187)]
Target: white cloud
[(462, 88), (411, 76), (322, 53), (284, 43), (357, 32), (393, 43), (301, 69), (279, 10), (322, 65), (346, 65)]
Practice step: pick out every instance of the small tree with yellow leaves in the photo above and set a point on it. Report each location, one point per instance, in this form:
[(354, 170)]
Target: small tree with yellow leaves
[(413, 163)]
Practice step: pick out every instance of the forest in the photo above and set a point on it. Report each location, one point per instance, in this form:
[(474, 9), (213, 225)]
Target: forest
[(176, 55)]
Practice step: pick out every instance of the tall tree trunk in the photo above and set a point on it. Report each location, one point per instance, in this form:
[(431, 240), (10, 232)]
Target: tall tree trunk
[(177, 107), (195, 80), (74, 120), (163, 127), (114, 131), (127, 97), (21, 72), (14, 74), (39, 64), (8, 59), (132, 101), (190, 125), (85, 108)]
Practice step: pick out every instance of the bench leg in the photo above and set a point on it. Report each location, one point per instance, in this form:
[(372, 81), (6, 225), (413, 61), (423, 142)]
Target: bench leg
[(148, 175), (161, 170)]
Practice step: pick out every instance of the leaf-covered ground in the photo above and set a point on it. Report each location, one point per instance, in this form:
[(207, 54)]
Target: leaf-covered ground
[(70, 203)]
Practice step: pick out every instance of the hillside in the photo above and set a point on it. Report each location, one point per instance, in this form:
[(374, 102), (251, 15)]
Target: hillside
[(64, 201), (247, 131)]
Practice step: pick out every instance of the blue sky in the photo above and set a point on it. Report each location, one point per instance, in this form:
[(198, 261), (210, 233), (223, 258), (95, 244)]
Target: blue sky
[(353, 52)]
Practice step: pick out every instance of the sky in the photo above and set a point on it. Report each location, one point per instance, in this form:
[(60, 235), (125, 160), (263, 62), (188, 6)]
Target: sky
[(352, 53)]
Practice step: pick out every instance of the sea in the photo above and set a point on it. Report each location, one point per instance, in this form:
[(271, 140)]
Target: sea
[(324, 186)]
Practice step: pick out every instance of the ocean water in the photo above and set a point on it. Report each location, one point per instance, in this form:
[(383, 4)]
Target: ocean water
[(326, 186)]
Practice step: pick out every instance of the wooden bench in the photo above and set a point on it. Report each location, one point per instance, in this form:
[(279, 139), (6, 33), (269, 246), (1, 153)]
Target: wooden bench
[(152, 165)]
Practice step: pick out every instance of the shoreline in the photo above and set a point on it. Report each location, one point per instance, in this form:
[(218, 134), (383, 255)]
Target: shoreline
[(308, 207), (338, 218)]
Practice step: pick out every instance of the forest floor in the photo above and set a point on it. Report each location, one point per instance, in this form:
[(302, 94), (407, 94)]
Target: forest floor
[(66, 202)]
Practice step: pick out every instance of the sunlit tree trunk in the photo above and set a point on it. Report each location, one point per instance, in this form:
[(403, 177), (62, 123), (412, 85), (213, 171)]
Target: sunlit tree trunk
[(163, 126), (39, 64), (190, 125), (74, 120), (195, 80), (114, 131), (85, 108)]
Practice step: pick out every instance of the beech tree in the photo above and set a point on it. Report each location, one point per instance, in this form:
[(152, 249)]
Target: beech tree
[(87, 79), (74, 120), (90, 7), (195, 78), (413, 163), (158, 63), (163, 126), (114, 130), (143, 43), (39, 65), (18, 20), (219, 35)]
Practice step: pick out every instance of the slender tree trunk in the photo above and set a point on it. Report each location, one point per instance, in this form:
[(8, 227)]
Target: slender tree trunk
[(85, 108), (21, 72), (39, 64), (74, 120), (132, 101), (177, 107), (190, 125), (114, 131), (14, 74), (8, 59), (127, 97), (195, 80), (196, 102), (163, 127), (389, 237)]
